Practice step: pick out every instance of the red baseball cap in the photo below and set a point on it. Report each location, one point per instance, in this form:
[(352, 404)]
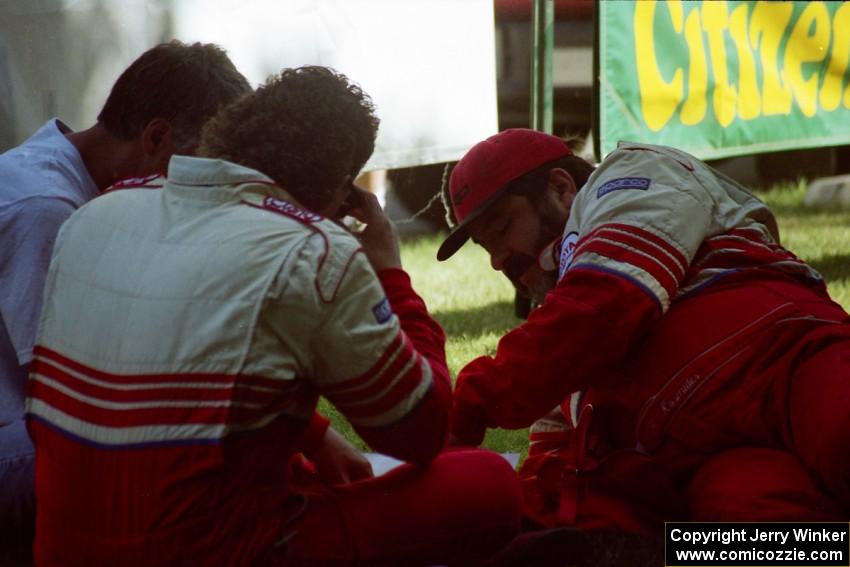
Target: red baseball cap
[(483, 175)]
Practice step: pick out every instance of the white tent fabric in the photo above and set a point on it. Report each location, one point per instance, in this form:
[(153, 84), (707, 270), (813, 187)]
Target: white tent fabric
[(428, 65)]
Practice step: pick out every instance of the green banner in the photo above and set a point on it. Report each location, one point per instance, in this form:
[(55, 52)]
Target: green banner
[(718, 78)]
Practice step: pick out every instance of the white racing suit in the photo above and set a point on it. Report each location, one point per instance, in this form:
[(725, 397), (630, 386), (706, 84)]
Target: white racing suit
[(185, 340)]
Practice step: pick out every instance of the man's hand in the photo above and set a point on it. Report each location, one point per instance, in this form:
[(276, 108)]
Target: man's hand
[(379, 238), (338, 462)]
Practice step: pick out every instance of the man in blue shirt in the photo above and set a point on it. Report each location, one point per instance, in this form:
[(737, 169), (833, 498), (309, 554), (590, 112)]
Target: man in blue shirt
[(156, 108)]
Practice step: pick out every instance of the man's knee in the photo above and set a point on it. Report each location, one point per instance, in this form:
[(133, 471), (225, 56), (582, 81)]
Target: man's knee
[(820, 418), (463, 506), (829, 460), (734, 486), (479, 482)]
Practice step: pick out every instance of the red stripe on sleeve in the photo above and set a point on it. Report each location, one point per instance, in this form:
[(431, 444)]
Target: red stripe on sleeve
[(733, 252), (404, 358), (649, 265), (343, 385), (645, 234), (642, 244), (400, 390), (421, 434)]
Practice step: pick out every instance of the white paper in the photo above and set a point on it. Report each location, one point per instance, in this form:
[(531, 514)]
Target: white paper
[(381, 464)]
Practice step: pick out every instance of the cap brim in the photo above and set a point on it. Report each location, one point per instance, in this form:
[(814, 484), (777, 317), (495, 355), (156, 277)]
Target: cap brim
[(459, 234), (452, 243)]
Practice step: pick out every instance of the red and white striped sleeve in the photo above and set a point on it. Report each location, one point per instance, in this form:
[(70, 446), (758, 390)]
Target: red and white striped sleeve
[(635, 253), (631, 236), (381, 362), (641, 217)]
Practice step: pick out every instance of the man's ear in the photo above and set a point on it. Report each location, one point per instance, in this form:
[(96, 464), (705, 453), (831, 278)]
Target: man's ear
[(158, 137), (563, 184)]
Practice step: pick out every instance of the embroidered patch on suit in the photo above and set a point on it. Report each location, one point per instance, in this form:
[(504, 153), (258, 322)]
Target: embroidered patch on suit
[(568, 248), (382, 311), (290, 210), (152, 181), (641, 183)]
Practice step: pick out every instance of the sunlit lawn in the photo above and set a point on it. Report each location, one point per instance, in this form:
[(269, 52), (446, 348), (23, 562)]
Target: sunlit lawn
[(475, 304)]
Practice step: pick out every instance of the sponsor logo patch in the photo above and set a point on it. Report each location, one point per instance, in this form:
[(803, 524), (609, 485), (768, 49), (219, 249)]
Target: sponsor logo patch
[(568, 248), (550, 256), (382, 311), (290, 210), (641, 183), (137, 182)]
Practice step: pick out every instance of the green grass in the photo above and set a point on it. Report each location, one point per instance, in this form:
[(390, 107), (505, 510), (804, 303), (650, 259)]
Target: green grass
[(819, 236), (475, 304)]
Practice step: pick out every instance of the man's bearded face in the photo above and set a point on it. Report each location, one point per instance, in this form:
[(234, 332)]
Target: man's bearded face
[(539, 282), (514, 231)]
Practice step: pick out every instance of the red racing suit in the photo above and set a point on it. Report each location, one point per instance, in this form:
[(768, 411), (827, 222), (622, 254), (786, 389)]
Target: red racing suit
[(679, 328), (186, 338)]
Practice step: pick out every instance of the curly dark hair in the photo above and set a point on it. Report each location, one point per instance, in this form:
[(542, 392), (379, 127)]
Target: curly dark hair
[(184, 84), (306, 128)]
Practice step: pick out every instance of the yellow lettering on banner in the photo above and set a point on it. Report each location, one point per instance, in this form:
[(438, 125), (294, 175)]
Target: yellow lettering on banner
[(787, 76), (830, 94), (806, 47), (693, 111), (658, 98), (749, 99), (767, 26), (715, 20)]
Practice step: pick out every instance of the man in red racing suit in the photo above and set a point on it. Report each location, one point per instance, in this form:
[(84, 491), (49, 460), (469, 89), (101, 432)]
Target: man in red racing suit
[(677, 341)]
